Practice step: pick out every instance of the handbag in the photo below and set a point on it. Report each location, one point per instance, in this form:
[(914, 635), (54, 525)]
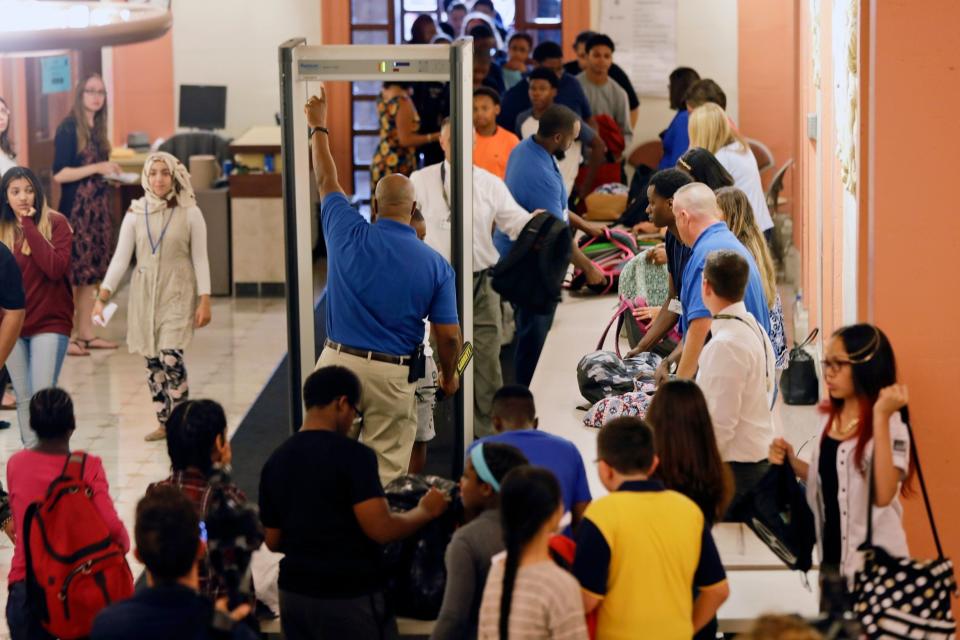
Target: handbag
[(799, 383), (903, 597), (778, 513)]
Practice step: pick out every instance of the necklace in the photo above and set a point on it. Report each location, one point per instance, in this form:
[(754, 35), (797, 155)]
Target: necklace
[(844, 432)]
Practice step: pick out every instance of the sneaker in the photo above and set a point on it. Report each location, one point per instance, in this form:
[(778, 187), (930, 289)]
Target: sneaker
[(159, 434)]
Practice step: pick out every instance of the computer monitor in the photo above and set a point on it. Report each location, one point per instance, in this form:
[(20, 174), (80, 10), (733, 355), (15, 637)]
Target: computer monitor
[(203, 107)]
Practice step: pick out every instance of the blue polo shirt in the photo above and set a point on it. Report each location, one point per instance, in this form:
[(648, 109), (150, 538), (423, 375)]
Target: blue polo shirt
[(382, 281), (676, 140), (557, 454), (534, 180), (517, 99), (714, 238)]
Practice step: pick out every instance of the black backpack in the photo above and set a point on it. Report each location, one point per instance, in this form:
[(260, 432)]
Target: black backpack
[(776, 510), (532, 274), (415, 568)]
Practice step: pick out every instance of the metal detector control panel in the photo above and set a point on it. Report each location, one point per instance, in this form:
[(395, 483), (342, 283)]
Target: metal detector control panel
[(353, 69)]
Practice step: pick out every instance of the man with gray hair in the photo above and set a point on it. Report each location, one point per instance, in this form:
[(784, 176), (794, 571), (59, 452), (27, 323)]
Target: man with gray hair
[(701, 228)]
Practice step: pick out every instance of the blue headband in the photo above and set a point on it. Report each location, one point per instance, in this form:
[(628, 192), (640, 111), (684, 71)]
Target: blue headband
[(480, 466)]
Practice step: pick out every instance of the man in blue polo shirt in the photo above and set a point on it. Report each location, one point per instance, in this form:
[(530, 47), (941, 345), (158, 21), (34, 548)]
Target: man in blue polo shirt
[(534, 180), (381, 284), (570, 94), (700, 227)]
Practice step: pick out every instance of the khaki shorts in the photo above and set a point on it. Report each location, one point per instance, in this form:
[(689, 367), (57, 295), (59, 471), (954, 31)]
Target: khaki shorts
[(426, 402)]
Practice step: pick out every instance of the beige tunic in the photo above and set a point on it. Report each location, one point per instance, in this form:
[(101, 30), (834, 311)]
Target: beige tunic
[(165, 284)]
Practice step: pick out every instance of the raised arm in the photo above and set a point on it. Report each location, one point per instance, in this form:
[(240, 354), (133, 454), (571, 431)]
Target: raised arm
[(323, 165), (52, 256)]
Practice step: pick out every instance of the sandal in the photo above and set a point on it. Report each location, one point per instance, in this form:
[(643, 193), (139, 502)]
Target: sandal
[(97, 342), (158, 434), (75, 348)]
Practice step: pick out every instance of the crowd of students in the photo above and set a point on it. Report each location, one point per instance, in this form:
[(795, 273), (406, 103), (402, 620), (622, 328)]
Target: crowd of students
[(537, 556)]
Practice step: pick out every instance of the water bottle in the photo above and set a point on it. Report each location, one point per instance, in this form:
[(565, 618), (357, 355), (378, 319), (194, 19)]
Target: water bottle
[(801, 321), (268, 163)]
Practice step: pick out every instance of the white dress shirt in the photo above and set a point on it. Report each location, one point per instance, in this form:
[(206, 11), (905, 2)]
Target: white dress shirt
[(742, 165), (492, 204), (737, 368)]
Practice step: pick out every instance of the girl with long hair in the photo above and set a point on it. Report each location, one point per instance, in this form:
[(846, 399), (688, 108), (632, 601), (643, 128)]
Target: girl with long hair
[(80, 161), (690, 461), (40, 240), (863, 436), (703, 166), (738, 214), (170, 288), (8, 159), (709, 127), (468, 556), (527, 593)]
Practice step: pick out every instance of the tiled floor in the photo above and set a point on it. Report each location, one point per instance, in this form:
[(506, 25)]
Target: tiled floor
[(229, 361)]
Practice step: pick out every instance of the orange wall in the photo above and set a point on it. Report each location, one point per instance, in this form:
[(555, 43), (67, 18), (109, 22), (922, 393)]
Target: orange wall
[(768, 83), (143, 88), (917, 237)]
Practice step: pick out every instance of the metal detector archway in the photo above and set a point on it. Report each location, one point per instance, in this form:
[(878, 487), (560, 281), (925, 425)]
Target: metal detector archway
[(301, 64)]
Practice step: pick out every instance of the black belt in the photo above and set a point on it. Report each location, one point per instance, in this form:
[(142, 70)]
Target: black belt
[(369, 355)]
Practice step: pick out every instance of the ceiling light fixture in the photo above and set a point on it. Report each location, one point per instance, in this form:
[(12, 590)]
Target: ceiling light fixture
[(37, 26)]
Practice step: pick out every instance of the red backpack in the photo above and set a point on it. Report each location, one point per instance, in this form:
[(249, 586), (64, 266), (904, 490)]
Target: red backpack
[(74, 568)]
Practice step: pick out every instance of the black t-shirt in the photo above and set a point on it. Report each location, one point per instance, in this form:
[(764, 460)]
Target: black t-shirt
[(11, 282), (161, 613), (308, 489), (678, 255), (830, 489)]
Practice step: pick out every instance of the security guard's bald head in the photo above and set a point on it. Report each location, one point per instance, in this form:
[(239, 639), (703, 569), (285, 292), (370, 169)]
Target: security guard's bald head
[(395, 198)]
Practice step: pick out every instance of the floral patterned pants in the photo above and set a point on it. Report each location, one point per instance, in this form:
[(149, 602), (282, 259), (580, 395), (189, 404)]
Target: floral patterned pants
[(167, 379)]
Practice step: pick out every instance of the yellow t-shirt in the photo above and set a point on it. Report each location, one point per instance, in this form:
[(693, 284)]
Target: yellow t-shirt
[(642, 550)]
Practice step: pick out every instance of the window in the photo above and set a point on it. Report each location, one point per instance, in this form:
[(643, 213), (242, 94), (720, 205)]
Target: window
[(390, 22), (371, 22)]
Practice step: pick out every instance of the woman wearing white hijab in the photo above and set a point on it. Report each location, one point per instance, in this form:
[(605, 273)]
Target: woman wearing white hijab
[(170, 287)]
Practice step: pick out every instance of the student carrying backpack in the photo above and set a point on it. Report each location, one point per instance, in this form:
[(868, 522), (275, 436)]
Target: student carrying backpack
[(68, 562), (74, 567)]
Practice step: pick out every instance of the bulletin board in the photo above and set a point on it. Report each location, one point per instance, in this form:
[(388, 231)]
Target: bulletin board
[(645, 33)]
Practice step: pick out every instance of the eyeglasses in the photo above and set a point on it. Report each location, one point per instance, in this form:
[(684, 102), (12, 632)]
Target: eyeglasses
[(833, 365), (358, 418), (95, 92)]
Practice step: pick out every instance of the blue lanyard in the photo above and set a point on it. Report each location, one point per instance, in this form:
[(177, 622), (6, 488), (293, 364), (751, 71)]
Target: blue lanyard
[(146, 220)]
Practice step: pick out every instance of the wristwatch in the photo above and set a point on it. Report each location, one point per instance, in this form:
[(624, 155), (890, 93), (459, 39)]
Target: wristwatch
[(320, 129)]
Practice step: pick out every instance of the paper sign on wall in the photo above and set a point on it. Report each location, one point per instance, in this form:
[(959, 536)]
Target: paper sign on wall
[(645, 32), (55, 74)]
